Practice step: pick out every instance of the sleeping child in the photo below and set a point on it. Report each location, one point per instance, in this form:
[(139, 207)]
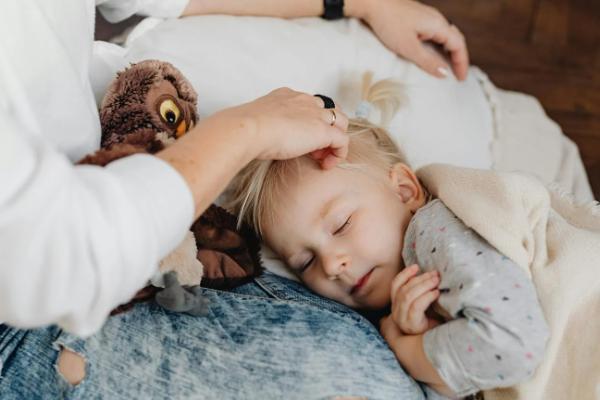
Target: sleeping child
[(479, 269)]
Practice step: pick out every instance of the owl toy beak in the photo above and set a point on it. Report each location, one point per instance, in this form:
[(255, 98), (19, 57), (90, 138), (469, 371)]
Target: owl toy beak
[(181, 129)]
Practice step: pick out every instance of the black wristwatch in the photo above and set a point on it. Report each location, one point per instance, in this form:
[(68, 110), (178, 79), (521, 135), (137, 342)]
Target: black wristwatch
[(334, 9)]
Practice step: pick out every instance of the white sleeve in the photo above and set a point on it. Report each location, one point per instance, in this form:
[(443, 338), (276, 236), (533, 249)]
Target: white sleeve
[(118, 10), (75, 241)]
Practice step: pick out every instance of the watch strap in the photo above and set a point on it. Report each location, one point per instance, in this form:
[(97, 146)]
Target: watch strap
[(333, 9)]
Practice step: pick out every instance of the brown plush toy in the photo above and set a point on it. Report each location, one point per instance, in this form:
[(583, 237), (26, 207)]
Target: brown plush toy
[(146, 108)]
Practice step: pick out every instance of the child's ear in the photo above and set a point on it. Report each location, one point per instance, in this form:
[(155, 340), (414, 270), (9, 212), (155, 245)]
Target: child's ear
[(407, 186)]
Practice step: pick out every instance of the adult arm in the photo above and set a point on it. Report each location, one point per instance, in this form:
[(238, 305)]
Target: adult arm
[(77, 241), (74, 241), (402, 25)]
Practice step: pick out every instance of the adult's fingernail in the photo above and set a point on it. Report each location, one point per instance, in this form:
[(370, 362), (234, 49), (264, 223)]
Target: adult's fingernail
[(444, 71)]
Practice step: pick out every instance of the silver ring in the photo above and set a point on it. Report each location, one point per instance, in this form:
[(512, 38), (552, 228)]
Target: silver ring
[(333, 117)]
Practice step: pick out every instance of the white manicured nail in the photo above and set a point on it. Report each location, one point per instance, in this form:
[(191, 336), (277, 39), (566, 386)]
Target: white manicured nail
[(444, 71)]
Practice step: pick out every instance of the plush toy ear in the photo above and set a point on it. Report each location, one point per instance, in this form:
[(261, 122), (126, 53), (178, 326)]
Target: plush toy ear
[(222, 271), (230, 257)]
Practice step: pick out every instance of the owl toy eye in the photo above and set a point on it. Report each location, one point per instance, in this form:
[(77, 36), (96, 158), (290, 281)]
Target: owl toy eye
[(169, 111)]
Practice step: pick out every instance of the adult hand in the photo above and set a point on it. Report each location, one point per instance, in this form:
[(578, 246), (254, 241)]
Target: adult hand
[(404, 25), (412, 295), (287, 124)]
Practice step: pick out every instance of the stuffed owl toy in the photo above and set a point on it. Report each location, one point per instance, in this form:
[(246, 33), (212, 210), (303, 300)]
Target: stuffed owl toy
[(146, 108)]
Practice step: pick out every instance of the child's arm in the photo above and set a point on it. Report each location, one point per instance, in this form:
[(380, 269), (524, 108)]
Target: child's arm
[(496, 331), (409, 352)]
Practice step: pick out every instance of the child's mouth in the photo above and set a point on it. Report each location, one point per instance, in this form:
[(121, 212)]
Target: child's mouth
[(361, 282)]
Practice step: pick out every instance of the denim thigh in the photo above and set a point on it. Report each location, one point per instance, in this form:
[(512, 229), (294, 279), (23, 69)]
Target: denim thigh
[(268, 339)]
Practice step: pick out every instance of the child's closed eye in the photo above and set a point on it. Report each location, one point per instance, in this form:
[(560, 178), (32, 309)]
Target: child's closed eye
[(344, 226), (307, 264), (341, 229)]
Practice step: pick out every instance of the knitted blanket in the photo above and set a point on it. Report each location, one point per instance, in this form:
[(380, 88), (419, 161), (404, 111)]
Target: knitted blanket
[(558, 243)]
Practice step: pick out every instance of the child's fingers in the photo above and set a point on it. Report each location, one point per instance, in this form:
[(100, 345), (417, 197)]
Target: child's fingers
[(424, 283), (418, 280), (404, 301), (403, 276), (422, 303)]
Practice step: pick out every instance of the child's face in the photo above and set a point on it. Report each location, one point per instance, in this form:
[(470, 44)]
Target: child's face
[(342, 231)]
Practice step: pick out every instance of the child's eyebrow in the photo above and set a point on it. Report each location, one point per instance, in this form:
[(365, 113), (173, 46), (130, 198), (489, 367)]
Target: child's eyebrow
[(328, 206)]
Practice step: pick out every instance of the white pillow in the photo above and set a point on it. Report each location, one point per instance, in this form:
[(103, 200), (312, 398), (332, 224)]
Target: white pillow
[(232, 60)]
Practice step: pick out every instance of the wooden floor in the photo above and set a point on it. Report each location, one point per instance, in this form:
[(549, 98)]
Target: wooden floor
[(547, 48)]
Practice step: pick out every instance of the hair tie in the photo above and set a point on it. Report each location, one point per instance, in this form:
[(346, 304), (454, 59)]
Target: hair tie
[(363, 110)]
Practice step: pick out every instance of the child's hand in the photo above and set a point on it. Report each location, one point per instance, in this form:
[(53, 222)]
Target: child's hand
[(411, 295)]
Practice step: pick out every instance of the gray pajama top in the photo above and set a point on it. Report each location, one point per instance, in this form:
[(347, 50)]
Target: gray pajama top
[(496, 333)]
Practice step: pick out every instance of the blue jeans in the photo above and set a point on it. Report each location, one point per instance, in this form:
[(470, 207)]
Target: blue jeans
[(268, 339)]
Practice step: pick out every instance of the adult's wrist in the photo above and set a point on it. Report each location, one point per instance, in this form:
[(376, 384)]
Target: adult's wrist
[(242, 131), (357, 8), (210, 155)]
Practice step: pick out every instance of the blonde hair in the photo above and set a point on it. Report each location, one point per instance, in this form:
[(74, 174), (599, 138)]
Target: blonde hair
[(253, 193)]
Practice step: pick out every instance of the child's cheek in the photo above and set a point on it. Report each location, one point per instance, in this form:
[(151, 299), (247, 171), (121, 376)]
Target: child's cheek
[(324, 287)]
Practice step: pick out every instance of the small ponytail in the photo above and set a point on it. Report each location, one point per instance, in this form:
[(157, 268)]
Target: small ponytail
[(385, 96)]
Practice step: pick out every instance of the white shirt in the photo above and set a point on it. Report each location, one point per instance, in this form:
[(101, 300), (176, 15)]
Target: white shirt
[(75, 241)]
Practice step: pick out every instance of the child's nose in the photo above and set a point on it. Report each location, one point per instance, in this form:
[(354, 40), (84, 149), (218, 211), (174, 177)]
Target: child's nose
[(336, 265)]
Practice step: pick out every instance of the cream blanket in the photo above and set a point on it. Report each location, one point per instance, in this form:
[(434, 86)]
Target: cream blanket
[(558, 244)]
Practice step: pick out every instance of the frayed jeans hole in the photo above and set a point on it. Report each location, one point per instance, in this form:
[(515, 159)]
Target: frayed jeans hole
[(71, 366)]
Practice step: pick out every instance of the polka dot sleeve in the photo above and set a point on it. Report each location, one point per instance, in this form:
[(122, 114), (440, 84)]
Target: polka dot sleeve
[(496, 332)]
